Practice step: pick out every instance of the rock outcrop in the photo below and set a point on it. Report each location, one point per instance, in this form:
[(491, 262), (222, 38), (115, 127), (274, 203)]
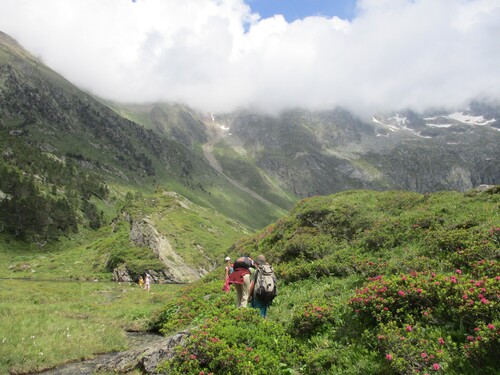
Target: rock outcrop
[(146, 358), (143, 233), (121, 274)]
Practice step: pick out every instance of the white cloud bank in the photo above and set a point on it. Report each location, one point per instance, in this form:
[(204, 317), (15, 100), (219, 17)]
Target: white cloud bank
[(216, 55)]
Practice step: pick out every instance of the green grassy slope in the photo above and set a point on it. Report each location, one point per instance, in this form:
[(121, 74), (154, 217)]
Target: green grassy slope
[(200, 236), (369, 282)]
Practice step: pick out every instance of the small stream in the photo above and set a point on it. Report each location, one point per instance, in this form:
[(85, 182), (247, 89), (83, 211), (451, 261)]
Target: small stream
[(87, 367)]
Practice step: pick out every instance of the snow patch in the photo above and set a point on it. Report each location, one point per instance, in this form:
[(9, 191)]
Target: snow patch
[(468, 119), (439, 125)]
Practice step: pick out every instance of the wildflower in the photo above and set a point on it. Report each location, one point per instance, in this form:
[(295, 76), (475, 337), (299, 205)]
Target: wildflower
[(423, 355), (491, 326), (458, 271), (441, 340), (409, 328), (485, 301), (401, 293), (436, 366), (388, 357)]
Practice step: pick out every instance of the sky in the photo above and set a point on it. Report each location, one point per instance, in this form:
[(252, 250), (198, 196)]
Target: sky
[(368, 56)]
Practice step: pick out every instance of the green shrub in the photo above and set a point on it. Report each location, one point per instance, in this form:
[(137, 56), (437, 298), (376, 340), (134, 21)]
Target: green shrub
[(238, 341)]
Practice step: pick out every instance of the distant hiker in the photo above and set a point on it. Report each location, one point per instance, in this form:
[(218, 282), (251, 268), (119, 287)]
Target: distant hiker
[(141, 282), (148, 282), (240, 277), (263, 286), (229, 270)]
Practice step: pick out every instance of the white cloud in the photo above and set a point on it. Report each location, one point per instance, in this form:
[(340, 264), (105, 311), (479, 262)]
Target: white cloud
[(216, 55)]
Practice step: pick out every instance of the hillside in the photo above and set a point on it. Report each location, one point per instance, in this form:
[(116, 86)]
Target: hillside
[(165, 234), (50, 129), (369, 282)]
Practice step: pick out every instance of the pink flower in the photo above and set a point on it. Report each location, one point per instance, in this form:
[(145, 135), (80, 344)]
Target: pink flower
[(388, 357), (464, 296), (409, 328), (435, 366), (441, 340), (491, 326), (423, 355), (485, 301), (401, 293), (458, 271)]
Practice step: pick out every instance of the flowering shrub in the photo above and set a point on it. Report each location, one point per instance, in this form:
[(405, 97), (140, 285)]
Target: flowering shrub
[(428, 296), (236, 342), (312, 318), (484, 345), (406, 310), (414, 349)]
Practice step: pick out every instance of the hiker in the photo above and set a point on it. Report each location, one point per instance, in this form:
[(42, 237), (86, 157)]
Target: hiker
[(141, 282), (229, 270), (148, 282), (240, 277), (262, 286)]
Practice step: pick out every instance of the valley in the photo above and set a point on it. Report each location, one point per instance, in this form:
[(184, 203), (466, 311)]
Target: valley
[(374, 224)]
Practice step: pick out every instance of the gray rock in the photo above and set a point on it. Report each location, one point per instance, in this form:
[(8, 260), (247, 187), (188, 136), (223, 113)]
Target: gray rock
[(143, 233), (146, 358), (121, 274)]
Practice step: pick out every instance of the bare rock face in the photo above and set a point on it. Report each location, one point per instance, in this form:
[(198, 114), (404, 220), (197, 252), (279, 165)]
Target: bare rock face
[(146, 358), (143, 233), (121, 274)]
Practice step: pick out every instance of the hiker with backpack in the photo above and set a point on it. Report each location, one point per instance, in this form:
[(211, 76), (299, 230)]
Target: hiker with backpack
[(240, 278), (263, 286)]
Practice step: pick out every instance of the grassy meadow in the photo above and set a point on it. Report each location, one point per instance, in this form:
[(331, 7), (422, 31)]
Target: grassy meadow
[(46, 323)]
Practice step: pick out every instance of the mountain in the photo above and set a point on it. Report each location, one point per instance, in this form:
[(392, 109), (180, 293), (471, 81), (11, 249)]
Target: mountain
[(306, 153)]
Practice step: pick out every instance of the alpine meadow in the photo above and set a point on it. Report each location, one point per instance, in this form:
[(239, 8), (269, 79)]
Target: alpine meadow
[(383, 232)]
